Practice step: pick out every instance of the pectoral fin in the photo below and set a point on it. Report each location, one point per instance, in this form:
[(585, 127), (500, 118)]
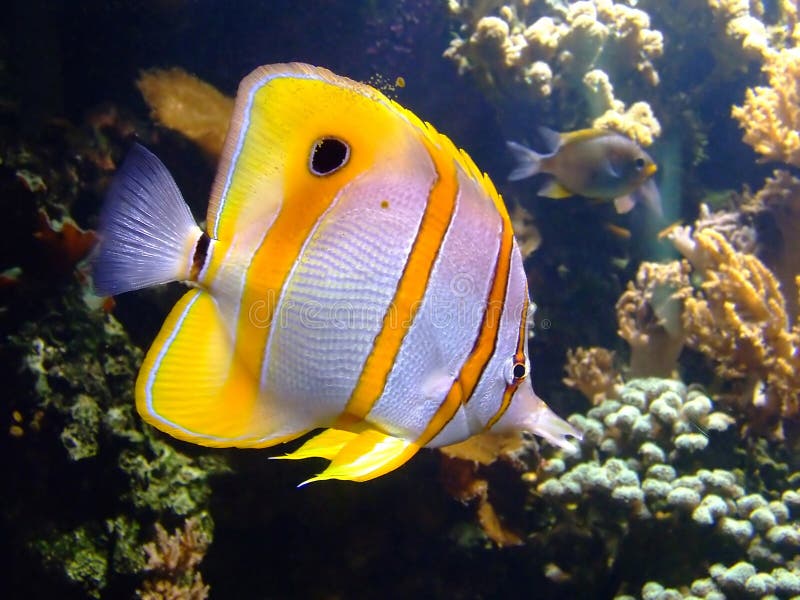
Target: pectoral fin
[(624, 204), (362, 457)]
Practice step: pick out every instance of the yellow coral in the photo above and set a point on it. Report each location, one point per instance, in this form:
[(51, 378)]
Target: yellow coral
[(558, 49), (770, 115), (592, 372), (742, 24), (738, 319), (637, 122), (183, 102)]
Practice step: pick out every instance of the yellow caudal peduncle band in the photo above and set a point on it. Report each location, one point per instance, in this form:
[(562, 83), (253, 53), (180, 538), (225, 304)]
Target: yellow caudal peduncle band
[(192, 386)]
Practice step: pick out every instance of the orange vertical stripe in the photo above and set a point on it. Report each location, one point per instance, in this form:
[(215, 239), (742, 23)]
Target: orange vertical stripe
[(410, 291), (518, 357), (485, 344)]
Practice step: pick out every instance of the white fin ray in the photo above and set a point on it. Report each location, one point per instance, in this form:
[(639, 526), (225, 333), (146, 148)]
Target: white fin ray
[(147, 233), (529, 163)]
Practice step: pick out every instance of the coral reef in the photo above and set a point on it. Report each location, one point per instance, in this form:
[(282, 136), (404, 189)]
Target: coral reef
[(660, 453), (676, 491), (71, 365), (657, 457), (183, 102), (592, 372), (87, 390), (738, 319), (562, 51), (770, 115), (722, 302), (172, 562)]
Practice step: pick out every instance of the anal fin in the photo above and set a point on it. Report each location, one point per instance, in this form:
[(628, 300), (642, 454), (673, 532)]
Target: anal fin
[(325, 445), (193, 386), (362, 457), (553, 189)]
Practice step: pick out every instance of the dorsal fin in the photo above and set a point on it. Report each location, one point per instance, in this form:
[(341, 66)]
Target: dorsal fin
[(582, 135)]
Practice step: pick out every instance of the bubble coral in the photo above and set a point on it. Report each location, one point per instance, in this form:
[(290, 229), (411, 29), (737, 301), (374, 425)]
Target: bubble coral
[(644, 466)]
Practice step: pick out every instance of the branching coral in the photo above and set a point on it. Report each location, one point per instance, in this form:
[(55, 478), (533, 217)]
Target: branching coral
[(185, 103), (770, 115), (172, 562), (563, 49), (592, 372), (738, 319)]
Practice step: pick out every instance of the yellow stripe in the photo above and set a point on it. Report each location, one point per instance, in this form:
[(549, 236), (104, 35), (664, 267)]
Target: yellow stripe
[(483, 350), (410, 290)]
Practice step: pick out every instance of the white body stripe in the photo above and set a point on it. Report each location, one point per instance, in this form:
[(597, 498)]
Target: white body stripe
[(488, 395), (343, 283), (447, 324)]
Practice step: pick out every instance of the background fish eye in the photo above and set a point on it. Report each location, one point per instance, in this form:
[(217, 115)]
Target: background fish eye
[(639, 162), (328, 155)]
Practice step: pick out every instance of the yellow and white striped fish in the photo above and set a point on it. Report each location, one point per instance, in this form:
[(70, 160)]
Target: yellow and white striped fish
[(358, 274)]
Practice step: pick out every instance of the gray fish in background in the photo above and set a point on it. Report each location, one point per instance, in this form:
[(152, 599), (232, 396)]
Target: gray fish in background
[(594, 163)]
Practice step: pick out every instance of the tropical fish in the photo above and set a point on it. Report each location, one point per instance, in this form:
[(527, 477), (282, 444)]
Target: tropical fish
[(357, 273), (594, 163)]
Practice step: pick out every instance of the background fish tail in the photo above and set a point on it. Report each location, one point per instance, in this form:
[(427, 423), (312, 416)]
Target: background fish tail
[(147, 233), (528, 162)]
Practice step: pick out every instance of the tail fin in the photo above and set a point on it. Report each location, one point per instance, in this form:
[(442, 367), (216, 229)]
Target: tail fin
[(147, 234), (528, 161)]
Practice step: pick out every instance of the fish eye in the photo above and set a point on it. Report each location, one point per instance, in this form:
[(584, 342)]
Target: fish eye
[(639, 162), (519, 371), (328, 155)]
